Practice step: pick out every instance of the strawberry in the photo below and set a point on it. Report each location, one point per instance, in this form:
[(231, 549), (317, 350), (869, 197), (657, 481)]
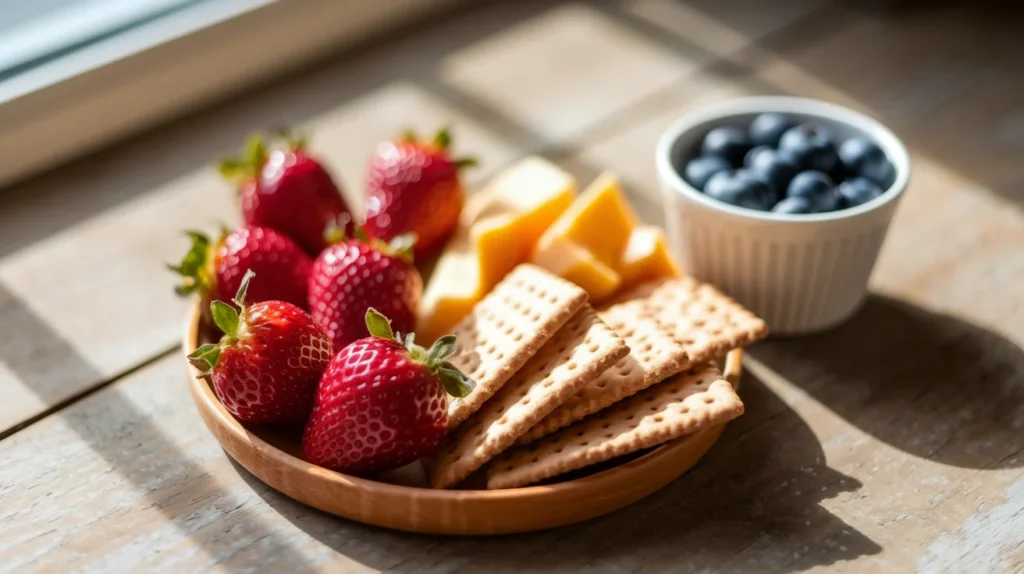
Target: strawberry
[(381, 402), (355, 274), (287, 190), (266, 367), (215, 270), (413, 187)]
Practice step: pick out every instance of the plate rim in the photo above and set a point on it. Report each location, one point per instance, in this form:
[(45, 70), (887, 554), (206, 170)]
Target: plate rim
[(213, 413)]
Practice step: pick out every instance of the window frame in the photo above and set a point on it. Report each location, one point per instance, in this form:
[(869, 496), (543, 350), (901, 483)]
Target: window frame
[(149, 74)]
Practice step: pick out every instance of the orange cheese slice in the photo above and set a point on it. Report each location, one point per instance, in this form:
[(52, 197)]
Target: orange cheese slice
[(498, 230), (646, 257), (600, 220), (574, 263)]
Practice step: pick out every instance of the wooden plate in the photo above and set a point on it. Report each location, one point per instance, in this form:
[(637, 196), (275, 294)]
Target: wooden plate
[(271, 457)]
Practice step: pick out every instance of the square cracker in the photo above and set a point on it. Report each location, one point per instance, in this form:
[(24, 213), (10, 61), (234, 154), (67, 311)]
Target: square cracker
[(653, 357), (687, 403), (506, 328), (707, 323), (580, 351)]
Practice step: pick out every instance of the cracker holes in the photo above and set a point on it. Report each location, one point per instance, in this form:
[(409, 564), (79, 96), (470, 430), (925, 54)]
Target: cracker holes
[(606, 425), (593, 348), (630, 417), (609, 435), (518, 337), (601, 384), (548, 383), (584, 443), (571, 366), (708, 400), (558, 450), (659, 419)]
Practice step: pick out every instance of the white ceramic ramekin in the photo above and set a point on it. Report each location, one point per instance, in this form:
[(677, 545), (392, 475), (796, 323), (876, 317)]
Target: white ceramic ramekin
[(800, 273)]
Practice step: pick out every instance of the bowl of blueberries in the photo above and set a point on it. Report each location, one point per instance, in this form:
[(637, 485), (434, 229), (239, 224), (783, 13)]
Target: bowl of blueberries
[(783, 202)]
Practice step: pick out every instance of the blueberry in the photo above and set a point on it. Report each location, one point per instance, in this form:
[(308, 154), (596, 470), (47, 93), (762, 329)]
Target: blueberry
[(739, 188), (699, 171), (858, 190), (773, 168), (767, 128), (862, 157), (815, 187), (751, 156), (793, 205), (728, 142), (811, 145)]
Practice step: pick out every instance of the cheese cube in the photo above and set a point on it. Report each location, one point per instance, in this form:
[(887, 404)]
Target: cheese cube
[(574, 263), (600, 220), (453, 289), (514, 210), (497, 232), (646, 257)]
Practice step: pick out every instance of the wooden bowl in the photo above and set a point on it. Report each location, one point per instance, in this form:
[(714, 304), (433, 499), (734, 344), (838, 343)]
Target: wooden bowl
[(272, 457)]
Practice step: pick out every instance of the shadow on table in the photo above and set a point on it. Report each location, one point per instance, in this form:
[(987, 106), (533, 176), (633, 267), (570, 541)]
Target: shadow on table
[(944, 76), (752, 503), (929, 384)]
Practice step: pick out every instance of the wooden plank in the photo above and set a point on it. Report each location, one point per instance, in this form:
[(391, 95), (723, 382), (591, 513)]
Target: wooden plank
[(129, 479), (82, 282)]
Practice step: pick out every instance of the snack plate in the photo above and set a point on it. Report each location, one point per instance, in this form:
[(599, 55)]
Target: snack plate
[(271, 457)]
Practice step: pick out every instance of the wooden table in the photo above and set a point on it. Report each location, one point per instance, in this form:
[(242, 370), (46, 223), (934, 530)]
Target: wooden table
[(893, 443)]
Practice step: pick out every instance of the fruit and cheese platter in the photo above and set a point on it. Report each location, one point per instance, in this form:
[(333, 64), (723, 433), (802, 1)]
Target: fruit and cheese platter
[(519, 358)]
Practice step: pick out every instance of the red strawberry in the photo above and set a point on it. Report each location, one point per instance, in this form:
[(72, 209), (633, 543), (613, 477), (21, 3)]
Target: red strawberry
[(215, 270), (413, 187), (381, 402), (356, 274), (267, 366), (287, 190)]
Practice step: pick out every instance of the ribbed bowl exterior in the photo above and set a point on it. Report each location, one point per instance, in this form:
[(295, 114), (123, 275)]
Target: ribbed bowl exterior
[(801, 274), (799, 279)]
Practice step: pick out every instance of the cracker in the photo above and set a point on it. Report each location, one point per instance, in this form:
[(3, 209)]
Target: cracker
[(653, 357), (506, 328), (580, 351), (685, 404), (707, 323)]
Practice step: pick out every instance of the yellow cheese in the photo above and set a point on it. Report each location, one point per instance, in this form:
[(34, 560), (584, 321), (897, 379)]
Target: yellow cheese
[(498, 230), (453, 289), (646, 257), (513, 211), (570, 261), (600, 220)]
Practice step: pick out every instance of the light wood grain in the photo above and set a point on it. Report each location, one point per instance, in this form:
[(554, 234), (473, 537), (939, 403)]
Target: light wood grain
[(100, 231), (891, 444)]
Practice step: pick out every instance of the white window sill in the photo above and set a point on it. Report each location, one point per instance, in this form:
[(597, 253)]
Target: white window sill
[(139, 78)]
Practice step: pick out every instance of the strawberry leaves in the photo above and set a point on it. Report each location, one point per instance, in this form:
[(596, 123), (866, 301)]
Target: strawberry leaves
[(378, 325), (205, 358), (254, 154), (455, 383), (229, 320), (195, 266)]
